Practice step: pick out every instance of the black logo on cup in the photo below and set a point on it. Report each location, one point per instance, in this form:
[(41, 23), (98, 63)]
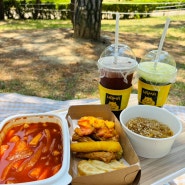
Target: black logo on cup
[(114, 101), (148, 97)]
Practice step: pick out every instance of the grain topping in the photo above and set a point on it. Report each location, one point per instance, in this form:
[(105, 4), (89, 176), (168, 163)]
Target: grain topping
[(149, 128)]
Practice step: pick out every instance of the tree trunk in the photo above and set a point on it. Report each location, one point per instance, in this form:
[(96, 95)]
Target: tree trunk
[(1, 10), (72, 6), (87, 19), (37, 9)]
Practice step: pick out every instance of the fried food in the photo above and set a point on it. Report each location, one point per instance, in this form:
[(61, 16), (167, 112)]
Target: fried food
[(96, 139), (101, 156), (78, 138), (85, 168), (93, 167), (96, 128), (109, 146)]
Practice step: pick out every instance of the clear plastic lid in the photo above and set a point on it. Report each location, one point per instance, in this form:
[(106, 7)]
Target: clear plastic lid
[(124, 60), (164, 57), (161, 71)]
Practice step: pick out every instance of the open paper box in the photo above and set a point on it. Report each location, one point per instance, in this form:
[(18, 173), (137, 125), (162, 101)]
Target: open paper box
[(127, 175)]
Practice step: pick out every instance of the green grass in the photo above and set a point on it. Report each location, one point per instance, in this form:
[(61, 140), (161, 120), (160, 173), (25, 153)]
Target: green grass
[(151, 28), (141, 1), (148, 26), (113, 1), (121, 1), (33, 24), (144, 26)]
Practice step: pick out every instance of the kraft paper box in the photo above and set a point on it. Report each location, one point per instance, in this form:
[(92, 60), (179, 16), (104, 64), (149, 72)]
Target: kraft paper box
[(127, 175)]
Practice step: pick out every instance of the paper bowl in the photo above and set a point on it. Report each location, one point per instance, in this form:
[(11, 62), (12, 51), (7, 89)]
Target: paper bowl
[(145, 146), (62, 176)]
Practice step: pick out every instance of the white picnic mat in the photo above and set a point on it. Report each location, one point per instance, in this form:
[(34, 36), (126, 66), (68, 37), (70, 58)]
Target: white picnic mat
[(13, 103)]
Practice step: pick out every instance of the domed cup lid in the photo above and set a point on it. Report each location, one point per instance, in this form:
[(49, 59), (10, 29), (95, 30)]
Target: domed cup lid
[(164, 71)]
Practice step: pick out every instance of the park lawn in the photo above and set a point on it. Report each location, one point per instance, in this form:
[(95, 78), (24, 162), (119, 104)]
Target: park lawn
[(113, 1), (148, 27)]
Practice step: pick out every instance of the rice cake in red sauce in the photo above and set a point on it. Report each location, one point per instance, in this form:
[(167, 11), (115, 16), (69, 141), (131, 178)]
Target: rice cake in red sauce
[(31, 152)]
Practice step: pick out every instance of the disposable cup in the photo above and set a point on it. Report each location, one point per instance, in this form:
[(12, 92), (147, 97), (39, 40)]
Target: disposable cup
[(116, 77), (155, 79)]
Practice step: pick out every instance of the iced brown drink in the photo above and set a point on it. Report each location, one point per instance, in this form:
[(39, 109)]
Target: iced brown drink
[(116, 77)]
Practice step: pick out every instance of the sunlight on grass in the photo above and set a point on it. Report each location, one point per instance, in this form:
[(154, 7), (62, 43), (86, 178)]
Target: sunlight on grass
[(34, 24), (138, 1), (150, 26), (114, 1), (153, 26), (147, 27)]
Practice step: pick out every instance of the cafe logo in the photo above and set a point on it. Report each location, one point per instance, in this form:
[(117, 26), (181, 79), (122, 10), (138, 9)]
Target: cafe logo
[(114, 101), (148, 97)]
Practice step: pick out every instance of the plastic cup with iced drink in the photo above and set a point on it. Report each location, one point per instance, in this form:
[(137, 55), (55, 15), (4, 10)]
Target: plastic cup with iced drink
[(116, 74), (155, 79)]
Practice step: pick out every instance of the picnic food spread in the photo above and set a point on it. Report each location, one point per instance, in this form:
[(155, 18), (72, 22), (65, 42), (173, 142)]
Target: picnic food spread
[(149, 127), (31, 152), (97, 141)]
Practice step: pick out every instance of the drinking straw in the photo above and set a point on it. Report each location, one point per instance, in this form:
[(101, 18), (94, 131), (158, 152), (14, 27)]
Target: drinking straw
[(161, 42), (116, 38)]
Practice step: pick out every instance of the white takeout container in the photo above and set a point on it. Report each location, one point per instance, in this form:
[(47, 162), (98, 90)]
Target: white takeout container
[(145, 146), (62, 177)]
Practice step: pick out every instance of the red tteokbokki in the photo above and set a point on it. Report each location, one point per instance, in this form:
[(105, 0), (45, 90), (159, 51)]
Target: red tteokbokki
[(30, 152)]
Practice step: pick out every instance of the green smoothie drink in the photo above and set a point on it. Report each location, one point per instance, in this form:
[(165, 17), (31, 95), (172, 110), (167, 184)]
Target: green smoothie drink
[(155, 79)]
